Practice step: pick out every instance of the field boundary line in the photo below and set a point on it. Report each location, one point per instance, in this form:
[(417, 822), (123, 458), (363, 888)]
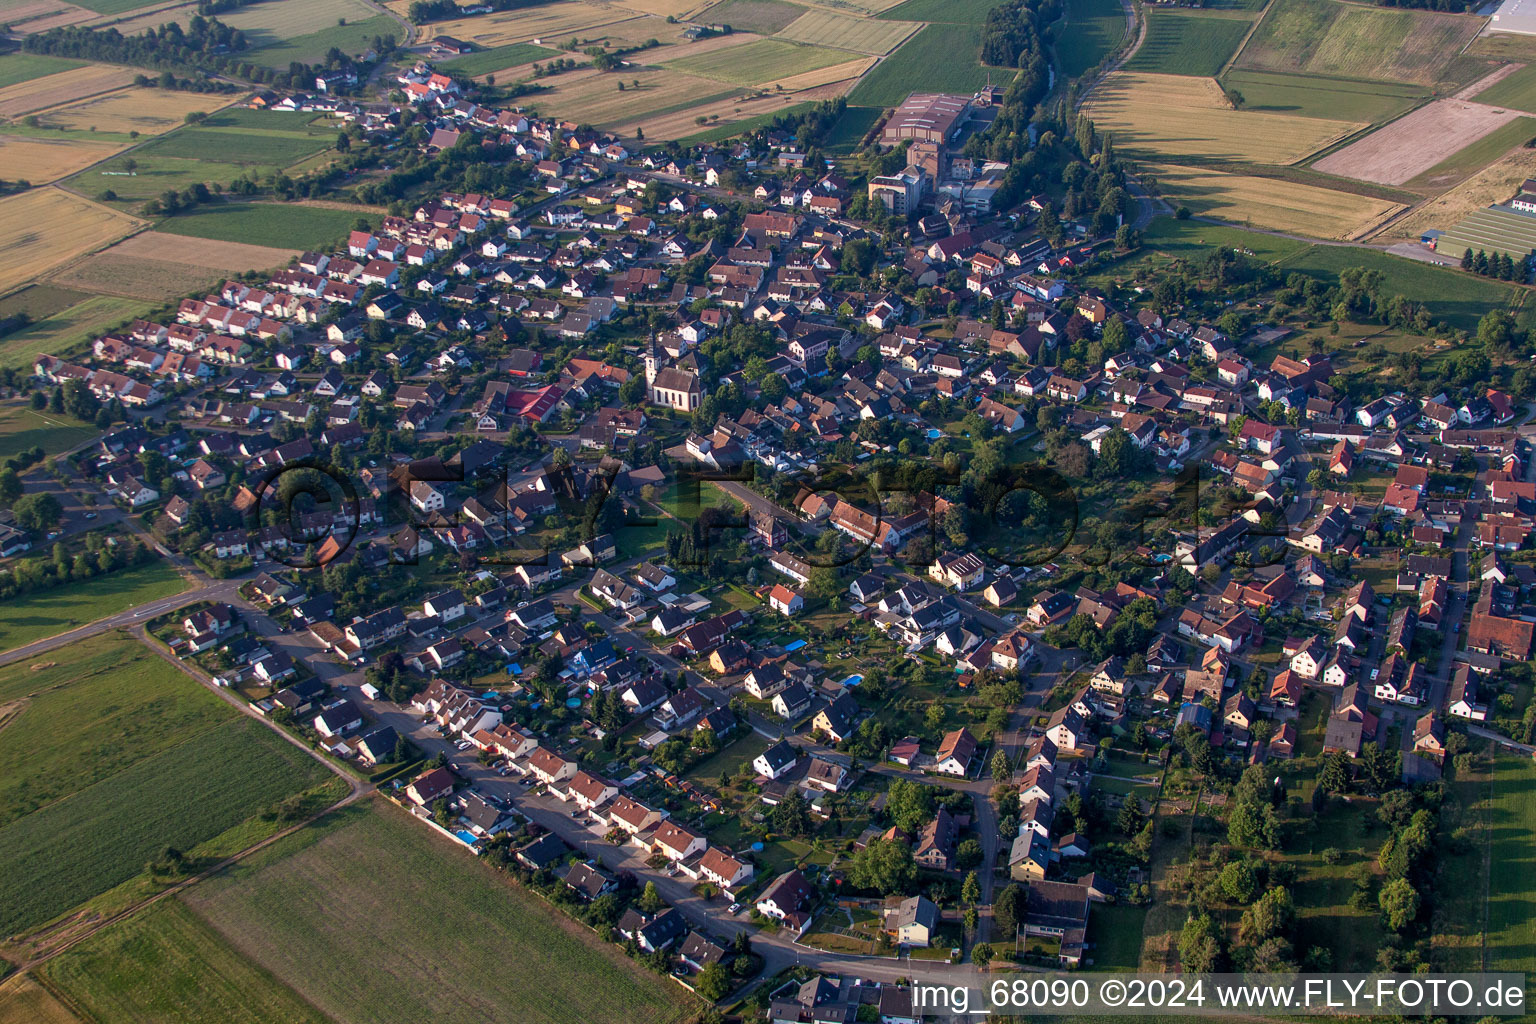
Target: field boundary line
[(1252, 28)]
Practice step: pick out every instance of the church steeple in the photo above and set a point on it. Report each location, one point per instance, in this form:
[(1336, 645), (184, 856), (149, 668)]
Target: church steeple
[(652, 361)]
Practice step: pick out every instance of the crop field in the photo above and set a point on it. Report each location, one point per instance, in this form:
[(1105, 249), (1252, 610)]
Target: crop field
[(1472, 158), (154, 265), (39, 300), (114, 6), (45, 227), (682, 10), (861, 35), (940, 58), (377, 888), (21, 427), (1097, 27), (498, 58), (1511, 902), (596, 96), (1326, 37), (24, 1001), (165, 964), (24, 67), (353, 37), (1455, 297), (1272, 203), (551, 23), (1174, 115), (1314, 96), (146, 111), (1493, 184), (265, 224), (1186, 44), (732, 115), (1416, 143), (764, 17), (44, 160), (857, 8), (953, 12), (62, 331), (101, 836), (241, 146), (63, 87), (270, 22), (759, 62)]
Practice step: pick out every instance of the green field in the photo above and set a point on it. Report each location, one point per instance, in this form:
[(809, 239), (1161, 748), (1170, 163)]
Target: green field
[(1328, 37), (496, 58), (1491, 231), (40, 300), (24, 67), (1185, 44), (149, 759), (352, 38), (1517, 90), (1094, 28), (729, 130), (1335, 99), (61, 609), (860, 35), (115, 6), (152, 179), (1473, 158), (277, 224), (1511, 902), (1457, 298), (850, 129), (165, 964), (954, 12), (764, 17), (56, 334), (21, 427), (756, 63), (940, 58), (373, 918), (243, 145)]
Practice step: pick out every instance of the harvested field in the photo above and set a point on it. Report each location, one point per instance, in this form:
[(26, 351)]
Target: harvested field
[(1471, 159), (682, 10), (1272, 203), (1173, 116), (1493, 184), (721, 114), (146, 111), (762, 16), (1325, 37), (857, 8), (43, 160), (154, 265), (760, 62), (45, 227), (552, 23), (23, 67), (27, 16), (594, 96), (861, 35), (64, 87), (846, 72), (22, 999), (1413, 144)]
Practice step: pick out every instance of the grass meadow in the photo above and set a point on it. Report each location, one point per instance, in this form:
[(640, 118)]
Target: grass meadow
[(283, 225), (1315, 96), (60, 609), (762, 16), (1096, 28), (21, 427), (940, 58), (498, 57), (24, 67), (59, 332), (1185, 44), (1327, 37)]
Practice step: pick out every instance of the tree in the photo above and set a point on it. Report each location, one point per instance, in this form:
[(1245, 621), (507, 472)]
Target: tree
[(1399, 904), (1130, 819), (884, 865), (37, 511), (10, 487), (1006, 909), (650, 898), (1240, 880), (791, 815), (909, 804), (713, 982), (1271, 915), (968, 854), (1002, 771), (970, 890), (1200, 944)]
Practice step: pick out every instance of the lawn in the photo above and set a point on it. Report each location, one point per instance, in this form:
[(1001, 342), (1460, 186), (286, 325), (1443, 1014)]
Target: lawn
[(1185, 44), (1095, 29), (1315, 96), (373, 918), (57, 334), (151, 178), (940, 58), (1511, 903), (21, 427), (242, 145), (166, 964), (498, 57), (746, 746), (760, 62), (24, 67), (1115, 931), (1458, 299), (1321, 890), (285, 225), (102, 835)]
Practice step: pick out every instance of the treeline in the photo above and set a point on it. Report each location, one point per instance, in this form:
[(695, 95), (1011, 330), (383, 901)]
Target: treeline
[(168, 81), (205, 44), (1014, 36), (30, 575), (423, 11), (1500, 265)]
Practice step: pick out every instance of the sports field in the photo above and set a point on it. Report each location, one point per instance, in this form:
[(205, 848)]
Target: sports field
[(861, 35), (1175, 115), (758, 62), (1413, 145), (41, 161), (940, 58), (1095, 29), (1328, 37), (1315, 96), (764, 17), (278, 225), (62, 331), (1272, 203), (44, 227), (373, 887), (1187, 44), (63, 87), (146, 111), (155, 265)]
